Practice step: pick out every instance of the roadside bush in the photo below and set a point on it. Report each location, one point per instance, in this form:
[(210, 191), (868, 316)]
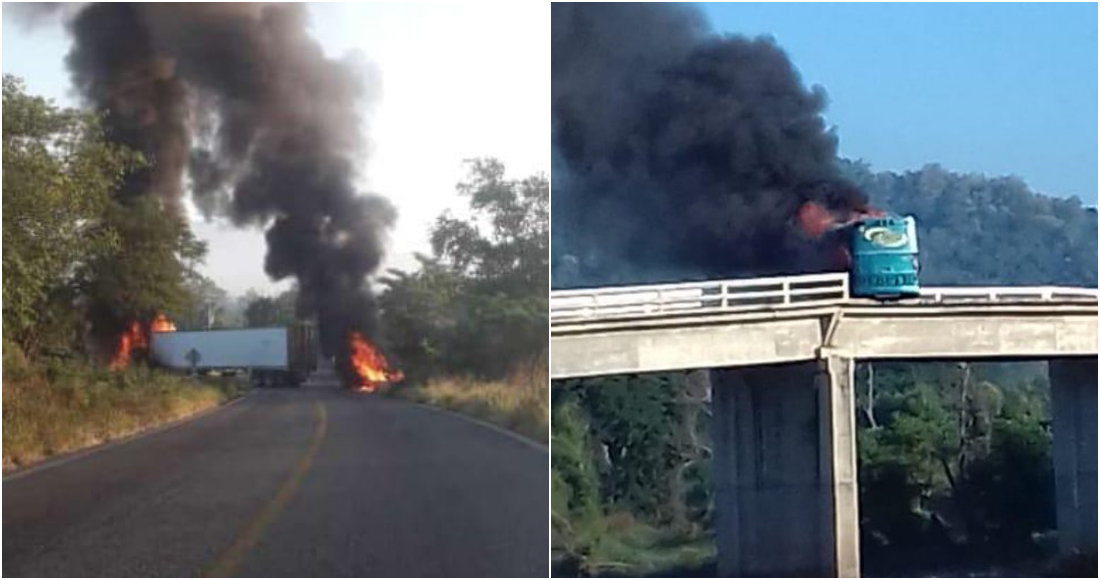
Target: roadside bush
[(519, 402), (66, 406)]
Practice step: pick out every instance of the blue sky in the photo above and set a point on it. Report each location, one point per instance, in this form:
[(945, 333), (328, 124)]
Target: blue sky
[(1000, 89)]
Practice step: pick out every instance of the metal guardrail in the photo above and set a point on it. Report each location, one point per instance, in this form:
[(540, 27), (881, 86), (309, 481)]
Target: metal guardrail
[(776, 293), (698, 297)]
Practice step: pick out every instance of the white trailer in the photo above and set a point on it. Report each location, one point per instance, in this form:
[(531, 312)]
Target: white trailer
[(269, 354)]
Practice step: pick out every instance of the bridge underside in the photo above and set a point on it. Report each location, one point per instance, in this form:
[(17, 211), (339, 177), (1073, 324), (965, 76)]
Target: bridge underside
[(785, 470), (785, 458), (1074, 404)]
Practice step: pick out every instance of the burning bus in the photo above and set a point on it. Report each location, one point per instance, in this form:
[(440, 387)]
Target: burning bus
[(885, 261), (878, 250)]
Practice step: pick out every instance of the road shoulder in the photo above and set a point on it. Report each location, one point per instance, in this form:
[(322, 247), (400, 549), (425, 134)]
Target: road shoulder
[(68, 457)]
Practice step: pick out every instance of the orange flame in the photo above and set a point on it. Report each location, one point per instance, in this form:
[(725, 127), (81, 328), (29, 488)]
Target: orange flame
[(133, 337), (370, 365), (136, 337), (162, 324), (816, 220)]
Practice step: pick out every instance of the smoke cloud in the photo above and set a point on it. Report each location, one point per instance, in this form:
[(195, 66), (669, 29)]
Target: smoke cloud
[(679, 153), (240, 101)]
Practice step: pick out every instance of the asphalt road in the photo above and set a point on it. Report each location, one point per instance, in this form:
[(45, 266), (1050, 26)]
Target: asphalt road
[(308, 482)]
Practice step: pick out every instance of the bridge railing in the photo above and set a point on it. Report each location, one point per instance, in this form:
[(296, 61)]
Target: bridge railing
[(698, 297), (1006, 293), (775, 293)]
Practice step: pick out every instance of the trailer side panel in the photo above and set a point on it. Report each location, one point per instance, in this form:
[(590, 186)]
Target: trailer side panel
[(251, 348)]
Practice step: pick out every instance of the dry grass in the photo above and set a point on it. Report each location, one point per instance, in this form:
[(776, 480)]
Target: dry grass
[(520, 402), (66, 407)]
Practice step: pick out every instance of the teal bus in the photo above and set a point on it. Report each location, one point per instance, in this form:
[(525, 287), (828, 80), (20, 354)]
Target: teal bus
[(885, 261)]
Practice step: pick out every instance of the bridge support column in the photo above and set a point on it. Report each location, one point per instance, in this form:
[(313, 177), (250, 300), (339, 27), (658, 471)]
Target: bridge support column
[(786, 493), (1073, 397)]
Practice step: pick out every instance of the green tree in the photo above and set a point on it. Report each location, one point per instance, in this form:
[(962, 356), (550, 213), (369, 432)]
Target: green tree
[(1010, 491), (420, 312), (148, 273), (958, 463), (278, 310), (207, 305), (59, 172), (635, 421), (505, 245), (575, 476), (479, 304)]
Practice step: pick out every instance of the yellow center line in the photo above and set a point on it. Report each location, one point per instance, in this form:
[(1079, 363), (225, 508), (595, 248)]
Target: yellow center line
[(230, 560)]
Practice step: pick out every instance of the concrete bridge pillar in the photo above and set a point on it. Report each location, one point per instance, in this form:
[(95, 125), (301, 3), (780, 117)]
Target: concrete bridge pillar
[(786, 492), (1073, 397)]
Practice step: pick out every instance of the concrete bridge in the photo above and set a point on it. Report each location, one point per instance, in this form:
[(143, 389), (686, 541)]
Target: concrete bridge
[(782, 353)]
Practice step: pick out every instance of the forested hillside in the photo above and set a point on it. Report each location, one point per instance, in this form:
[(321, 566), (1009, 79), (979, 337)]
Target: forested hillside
[(980, 230)]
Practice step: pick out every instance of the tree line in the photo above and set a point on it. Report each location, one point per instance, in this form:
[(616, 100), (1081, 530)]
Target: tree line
[(478, 304), (978, 230), (81, 261)]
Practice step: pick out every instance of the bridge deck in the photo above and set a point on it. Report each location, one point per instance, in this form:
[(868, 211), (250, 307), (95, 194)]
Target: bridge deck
[(773, 320)]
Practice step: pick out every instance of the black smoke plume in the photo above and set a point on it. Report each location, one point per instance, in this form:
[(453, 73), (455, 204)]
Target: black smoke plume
[(680, 153), (241, 101)]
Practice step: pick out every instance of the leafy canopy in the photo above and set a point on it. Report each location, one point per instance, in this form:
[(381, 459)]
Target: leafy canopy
[(478, 304), (59, 172), (73, 250)]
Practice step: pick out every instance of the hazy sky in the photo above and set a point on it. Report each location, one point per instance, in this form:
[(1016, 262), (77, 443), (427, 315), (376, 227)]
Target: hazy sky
[(990, 88), (458, 81)]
